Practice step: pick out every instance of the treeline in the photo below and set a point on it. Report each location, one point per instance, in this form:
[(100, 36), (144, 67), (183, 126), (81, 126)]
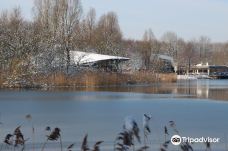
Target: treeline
[(60, 26), (57, 28), (185, 53)]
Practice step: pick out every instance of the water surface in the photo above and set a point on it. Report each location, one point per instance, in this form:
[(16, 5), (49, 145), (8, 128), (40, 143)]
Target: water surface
[(199, 108)]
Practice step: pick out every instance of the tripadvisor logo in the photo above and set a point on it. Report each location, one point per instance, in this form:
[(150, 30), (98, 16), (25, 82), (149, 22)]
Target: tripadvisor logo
[(177, 140)]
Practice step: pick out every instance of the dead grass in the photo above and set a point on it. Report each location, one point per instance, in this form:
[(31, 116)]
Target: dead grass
[(143, 77), (171, 77), (108, 79), (96, 78), (2, 78), (59, 79)]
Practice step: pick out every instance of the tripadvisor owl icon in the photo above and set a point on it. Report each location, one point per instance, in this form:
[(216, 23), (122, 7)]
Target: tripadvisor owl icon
[(176, 140)]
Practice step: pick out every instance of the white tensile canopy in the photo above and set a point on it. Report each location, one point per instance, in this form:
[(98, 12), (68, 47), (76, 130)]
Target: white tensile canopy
[(80, 58)]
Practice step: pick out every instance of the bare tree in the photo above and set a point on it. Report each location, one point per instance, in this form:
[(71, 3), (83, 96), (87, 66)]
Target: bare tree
[(85, 39), (204, 48), (108, 34), (149, 49), (220, 54), (91, 24), (3, 33), (15, 42), (59, 20), (170, 39), (189, 54)]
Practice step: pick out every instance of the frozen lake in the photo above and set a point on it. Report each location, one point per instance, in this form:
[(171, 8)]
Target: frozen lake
[(199, 108)]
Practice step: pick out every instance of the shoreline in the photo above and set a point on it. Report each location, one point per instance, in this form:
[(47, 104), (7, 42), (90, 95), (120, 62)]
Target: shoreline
[(84, 80)]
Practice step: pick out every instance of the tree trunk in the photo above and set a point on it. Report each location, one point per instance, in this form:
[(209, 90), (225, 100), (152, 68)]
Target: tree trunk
[(68, 59)]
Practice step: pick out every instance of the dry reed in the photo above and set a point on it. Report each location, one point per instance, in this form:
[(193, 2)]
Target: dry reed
[(92, 78), (85, 146), (123, 142)]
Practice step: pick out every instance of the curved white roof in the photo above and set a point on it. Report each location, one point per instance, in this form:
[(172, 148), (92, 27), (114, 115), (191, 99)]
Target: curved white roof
[(80, 57)]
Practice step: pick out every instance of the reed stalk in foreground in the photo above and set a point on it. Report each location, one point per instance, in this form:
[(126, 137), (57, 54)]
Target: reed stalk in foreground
[(85, 146), (164, 146), (125, 139), (184, 146), (14, 140), (166, 133), (29, 118), (19, 138), (123, 142), (8, 141), (131, 126), (208, 146), (54, 136), (146, 128), (69, 148)]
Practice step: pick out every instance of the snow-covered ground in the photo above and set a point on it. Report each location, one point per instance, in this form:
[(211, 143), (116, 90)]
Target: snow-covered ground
[(186, 77)]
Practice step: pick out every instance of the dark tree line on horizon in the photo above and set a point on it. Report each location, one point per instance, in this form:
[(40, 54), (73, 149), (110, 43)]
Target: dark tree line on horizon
[(60, 26)]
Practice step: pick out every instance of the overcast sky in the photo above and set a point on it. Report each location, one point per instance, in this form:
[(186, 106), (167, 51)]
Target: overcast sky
[(188, 18)]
